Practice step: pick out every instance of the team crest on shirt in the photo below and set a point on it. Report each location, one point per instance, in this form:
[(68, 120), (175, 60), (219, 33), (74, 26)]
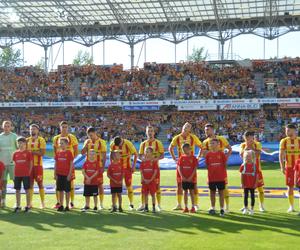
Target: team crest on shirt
[(148, 170), (90, 170)]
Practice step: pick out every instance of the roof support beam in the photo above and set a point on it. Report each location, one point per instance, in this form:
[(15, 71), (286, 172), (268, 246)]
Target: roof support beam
[(169, 20), (142, 31)]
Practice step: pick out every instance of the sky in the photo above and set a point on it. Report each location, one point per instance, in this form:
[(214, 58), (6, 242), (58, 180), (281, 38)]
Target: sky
[(160, 51)]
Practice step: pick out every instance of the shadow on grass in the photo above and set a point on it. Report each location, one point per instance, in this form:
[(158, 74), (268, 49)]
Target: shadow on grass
[(162, 222)]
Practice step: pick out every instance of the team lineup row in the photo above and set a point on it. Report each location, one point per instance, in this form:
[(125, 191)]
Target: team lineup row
[(21, 160)]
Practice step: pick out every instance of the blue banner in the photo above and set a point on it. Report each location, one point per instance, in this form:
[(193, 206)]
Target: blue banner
[(140, 108), (269, 153)]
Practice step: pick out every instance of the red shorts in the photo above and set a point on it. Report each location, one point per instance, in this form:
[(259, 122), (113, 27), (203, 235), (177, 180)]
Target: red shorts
[(149, 188), (260, 182), (37, 173), (127, 176), (289, 177)]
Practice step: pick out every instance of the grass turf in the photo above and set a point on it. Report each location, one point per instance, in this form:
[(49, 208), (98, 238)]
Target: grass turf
[(48, 229)]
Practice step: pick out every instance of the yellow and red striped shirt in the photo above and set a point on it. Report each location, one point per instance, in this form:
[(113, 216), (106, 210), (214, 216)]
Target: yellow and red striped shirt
[(99, 146), (292, 150), (223, 143), (36, 145), (126, 150), (157, 146), (180, 140), (73, 142)]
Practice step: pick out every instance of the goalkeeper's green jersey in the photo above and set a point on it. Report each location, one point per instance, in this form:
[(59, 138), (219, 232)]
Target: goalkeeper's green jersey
[(8, 145)]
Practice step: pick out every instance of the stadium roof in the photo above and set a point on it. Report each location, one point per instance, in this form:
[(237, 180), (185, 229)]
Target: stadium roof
[(88, 22)]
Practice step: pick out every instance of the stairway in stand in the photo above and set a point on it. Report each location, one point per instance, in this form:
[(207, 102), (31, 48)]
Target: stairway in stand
[(162, 136)]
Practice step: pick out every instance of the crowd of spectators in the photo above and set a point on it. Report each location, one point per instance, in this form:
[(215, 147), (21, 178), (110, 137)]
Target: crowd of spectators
[(32, 84), (204, 81), (184, 80), (153, 82), (109, 122), (281, 77), (113, 83)]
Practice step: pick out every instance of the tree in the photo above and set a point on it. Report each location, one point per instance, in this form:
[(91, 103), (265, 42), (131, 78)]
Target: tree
[(41, 63), (198, 55), (82, 58), (10, 58)]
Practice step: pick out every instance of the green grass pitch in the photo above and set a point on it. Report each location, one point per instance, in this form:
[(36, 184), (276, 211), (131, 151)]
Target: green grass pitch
[(48, 229)]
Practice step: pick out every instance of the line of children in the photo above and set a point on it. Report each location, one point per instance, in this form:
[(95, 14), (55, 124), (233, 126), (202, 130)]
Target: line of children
[(187, 169)]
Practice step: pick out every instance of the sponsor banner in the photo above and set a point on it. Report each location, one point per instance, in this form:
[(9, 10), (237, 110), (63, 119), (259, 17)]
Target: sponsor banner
[(290, 106), (140, 108), (240, 106), (236, 101), (197, 107), (139, 103), (101, 104), (177, 103)]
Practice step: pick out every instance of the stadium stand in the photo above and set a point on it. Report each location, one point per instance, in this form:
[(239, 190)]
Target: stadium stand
[(280, 78)]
